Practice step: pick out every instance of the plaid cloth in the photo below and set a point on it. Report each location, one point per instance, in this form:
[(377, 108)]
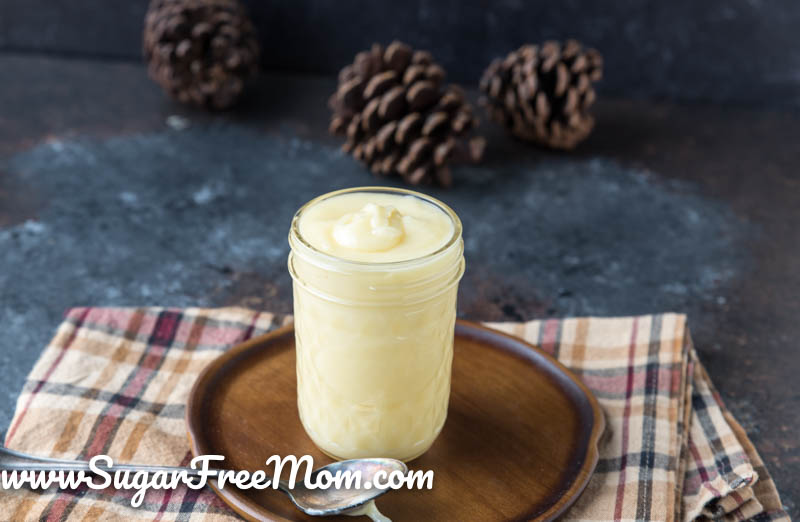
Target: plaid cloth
[(115, 380)]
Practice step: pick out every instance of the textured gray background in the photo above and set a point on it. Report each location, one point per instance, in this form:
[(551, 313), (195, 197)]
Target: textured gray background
[(188, 218), (721, 50)]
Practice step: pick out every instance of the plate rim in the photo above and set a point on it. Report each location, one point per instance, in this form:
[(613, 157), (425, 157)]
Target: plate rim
[(253, 512)]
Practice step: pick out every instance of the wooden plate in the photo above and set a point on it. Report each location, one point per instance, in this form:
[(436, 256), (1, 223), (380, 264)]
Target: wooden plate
[(520, 441)]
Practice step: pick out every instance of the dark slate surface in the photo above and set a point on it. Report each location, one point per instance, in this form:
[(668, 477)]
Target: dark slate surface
[(724, 50), (213, 201), (665, 208)]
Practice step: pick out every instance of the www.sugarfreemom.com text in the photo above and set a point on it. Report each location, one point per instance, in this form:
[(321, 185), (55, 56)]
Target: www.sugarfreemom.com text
[(103, 475)]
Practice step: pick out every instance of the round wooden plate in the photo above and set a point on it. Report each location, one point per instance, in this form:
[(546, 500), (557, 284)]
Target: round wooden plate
[(520, 441)]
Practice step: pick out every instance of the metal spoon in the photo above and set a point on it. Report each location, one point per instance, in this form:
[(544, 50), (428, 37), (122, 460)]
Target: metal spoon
[(316, 502)]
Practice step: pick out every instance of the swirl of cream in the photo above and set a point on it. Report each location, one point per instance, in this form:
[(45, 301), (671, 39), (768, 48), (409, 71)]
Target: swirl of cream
[(374, 228)]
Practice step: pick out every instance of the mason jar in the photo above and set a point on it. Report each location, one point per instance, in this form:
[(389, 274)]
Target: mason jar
[(374, 341)]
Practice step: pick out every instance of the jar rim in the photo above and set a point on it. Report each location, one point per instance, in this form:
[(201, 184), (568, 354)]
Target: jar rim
[(294, 232)]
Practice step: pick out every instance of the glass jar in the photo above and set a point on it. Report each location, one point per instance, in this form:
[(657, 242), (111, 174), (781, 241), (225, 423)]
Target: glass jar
[(374, 343)]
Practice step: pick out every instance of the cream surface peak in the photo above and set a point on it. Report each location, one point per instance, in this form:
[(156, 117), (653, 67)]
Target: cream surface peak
[(375, 228)]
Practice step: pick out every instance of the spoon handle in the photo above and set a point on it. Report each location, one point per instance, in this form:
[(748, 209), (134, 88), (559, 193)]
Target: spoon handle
[(16, 461)]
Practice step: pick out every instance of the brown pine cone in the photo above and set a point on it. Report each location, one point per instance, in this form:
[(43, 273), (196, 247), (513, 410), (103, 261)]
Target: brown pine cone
[(542, 93), (399, 119), (200, 51)]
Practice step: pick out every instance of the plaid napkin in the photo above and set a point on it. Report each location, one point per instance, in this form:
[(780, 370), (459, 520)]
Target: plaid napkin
[(114, 381)]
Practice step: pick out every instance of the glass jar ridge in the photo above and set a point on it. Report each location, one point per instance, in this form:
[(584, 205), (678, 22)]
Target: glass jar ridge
[(310, 267)]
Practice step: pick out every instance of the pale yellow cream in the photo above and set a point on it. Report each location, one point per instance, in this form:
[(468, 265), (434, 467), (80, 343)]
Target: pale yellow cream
[(375, 228), (375, 305)]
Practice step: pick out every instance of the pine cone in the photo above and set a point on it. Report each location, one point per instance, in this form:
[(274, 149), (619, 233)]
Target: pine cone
[(200, 51), (398, 118), (542, 93)]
